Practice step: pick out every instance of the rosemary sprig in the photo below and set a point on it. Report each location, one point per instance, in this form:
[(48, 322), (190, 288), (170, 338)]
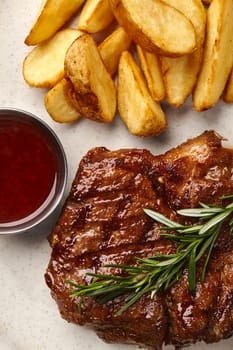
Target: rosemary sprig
[(161, 271)]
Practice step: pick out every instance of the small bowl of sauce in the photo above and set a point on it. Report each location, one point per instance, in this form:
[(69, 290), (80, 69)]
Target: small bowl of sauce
[(33, 171)]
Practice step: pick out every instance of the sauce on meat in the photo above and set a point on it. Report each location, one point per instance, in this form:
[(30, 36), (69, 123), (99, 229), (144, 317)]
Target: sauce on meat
[(28, 170)]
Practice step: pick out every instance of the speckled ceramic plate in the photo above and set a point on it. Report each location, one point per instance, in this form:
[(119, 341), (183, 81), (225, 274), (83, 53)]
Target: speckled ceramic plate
[(29, 318)]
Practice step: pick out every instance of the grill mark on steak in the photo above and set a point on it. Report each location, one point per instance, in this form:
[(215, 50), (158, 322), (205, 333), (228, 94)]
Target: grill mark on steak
[(102, 222)]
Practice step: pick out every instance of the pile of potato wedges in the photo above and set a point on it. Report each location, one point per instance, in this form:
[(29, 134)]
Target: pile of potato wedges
[(128, 56)]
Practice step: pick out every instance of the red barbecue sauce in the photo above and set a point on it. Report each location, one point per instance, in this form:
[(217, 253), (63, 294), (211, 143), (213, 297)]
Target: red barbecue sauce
[(28, 170)]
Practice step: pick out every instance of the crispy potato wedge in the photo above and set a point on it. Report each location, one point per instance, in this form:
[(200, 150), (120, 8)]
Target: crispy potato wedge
[(228, 91), (180, 74), (156, 26), (58, 105), (141, 114), (53, 14), (152, 71), (93, 91), (218, 55), (96, 15), (44, 65), (111, 48), (195, 12)]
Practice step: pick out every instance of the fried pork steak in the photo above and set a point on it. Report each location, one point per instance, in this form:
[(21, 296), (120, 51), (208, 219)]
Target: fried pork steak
[(103, 222)]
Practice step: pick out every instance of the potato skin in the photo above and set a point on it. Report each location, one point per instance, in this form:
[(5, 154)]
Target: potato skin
[(58, 104), (51, 17), (141, 114), (85, 70), (173, 35), (86, 103), (40, 69), (151, 67), (96, 15), (111, 48), (180, 73), (218, 55), (228, 92)]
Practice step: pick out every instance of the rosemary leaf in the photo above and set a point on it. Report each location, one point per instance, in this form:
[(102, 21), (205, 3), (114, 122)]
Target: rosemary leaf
[(203, 205), (194, 244), (215, 220), (226, 197), (192, 269), (211, 246), (199, 212), (161, 218)]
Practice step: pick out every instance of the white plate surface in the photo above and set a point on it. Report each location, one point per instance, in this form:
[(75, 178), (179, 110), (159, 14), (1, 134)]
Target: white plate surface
[(29, 318)]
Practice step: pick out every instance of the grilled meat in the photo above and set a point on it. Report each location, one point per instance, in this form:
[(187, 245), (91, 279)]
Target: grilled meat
[(103, 222)]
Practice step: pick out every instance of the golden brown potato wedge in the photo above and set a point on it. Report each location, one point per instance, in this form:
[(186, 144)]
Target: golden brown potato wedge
[(93, 92), (111, 48), (156, 26), (180, 74), (53, 14), (195, 12), (58, 104), (141, 114), (44, 65), (96, 15), (218, 55), (228, 91), (152, 71)]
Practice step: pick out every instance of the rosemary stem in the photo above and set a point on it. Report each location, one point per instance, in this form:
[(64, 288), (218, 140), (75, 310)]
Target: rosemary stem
[(194, 244)]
